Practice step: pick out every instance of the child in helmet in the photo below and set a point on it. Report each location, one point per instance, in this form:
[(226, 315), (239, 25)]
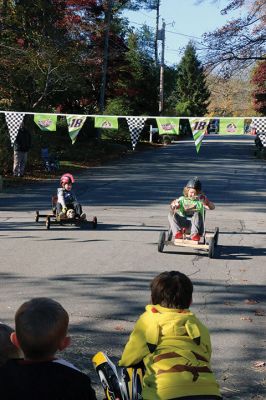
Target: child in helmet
[(173, 344), (66, 198), (187, 211)]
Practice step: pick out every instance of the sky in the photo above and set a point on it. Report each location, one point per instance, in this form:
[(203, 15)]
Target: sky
[(185, 20)]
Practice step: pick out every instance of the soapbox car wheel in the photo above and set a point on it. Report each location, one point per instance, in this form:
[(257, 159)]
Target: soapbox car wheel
[(216, 236), (48, 223), (94, 222), (211, 247), (161, 242), (37, 216)]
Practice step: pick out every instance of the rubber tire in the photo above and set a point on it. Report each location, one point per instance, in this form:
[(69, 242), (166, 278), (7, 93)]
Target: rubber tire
[(37, 216), (94, 222), (161, 242), (169, 235), (216, 236), (47, 223), (211, 252)]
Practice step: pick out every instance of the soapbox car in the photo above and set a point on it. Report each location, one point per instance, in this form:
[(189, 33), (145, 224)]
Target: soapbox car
[(70, 219), (207, 243)]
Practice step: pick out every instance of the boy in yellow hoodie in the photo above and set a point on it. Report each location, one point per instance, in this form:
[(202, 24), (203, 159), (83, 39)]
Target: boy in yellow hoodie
[(173, 344)]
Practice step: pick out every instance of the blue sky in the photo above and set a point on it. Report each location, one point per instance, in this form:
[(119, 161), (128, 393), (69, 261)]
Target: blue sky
[(183, 17)]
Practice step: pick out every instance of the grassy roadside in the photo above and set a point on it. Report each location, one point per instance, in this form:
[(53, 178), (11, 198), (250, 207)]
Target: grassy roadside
[(74, 162)]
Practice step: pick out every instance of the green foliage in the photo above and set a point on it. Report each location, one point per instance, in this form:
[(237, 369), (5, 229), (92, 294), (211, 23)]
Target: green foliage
[(191, 96)]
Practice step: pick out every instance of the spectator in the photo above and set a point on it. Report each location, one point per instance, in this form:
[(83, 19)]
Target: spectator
[(22, 146), (173, 344), (40, 331), (7, 349)]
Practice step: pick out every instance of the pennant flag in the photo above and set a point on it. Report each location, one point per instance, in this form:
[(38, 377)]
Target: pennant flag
[(46, 122), (13, 120), (198, 127), (259, 124), (135, 125), (231, 126), (168, 125), (75, 123), (106, 122)]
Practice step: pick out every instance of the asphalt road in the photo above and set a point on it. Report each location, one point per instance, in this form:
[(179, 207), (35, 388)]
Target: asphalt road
[(102, 277)]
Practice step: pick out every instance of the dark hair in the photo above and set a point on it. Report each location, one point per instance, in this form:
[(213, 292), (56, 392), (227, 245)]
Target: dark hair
[(172, 290), (7, 348), (41, 324)]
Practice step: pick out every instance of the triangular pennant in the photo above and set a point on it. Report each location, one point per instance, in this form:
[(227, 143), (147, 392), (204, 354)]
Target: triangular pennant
[(135, 125), (259, 124), (168, 125), (13, 120), (106, 122), (198, 127), (75, 123), (46, 122), (231, 126)]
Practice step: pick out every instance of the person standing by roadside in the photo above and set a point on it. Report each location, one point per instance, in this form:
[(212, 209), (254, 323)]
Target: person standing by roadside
[(22, 146)]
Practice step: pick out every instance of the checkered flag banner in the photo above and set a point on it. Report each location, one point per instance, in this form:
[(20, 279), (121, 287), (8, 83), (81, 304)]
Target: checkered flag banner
[(135, 125), (260, 124), (13, 120)]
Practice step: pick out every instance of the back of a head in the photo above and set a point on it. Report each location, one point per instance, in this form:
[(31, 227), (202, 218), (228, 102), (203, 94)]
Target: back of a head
[(172, 290), (7, 349), (41, 324)]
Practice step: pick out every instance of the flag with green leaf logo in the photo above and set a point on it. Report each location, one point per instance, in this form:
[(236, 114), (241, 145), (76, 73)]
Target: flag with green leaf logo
[(168, 125), (46, 122), (231, 126), (198, 127), (75, 123), (106, 122)]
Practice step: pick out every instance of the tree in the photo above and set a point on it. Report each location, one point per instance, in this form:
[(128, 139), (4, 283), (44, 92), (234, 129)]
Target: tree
[(240, 43), (259, 82), (229, 97), (191, 96)]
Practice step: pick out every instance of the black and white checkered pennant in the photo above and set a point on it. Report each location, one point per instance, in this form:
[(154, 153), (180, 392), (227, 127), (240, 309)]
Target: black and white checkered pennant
[(13, 120), (135, 125), (260, 124)]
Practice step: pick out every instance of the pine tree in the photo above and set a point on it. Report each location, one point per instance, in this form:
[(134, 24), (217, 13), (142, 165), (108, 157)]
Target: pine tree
[(191, 93)]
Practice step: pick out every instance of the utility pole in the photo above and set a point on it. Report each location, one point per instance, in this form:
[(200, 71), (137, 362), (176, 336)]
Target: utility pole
[(105, 54), (161, 90), (156, 31)]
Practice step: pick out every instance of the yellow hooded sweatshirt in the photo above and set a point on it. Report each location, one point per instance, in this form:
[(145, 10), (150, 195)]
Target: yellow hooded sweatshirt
[(176, 350)]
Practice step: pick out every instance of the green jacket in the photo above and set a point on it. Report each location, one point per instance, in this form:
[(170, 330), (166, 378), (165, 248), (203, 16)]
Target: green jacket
[(176, 350)]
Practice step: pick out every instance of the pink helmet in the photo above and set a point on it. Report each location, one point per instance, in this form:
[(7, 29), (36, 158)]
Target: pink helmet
[(67, 178)]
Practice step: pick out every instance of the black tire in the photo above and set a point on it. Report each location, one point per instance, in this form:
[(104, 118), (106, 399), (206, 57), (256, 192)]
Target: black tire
[(94, 222), (211, 248), (37, 216), (47, 223), (169, 235), (216, 236), (161, 242)]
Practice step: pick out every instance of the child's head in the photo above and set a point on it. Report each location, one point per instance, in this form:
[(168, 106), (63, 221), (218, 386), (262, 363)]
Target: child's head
[(192, 188), (40, 328), (66, 181), (7, 349), (172, 290)]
